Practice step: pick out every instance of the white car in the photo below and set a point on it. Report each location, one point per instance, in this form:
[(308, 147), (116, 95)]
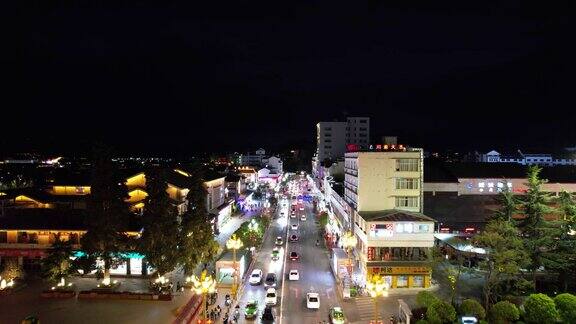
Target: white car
[(301, 208), (256, 277), (294, 227), (313, 301), (303, 217), (293, 275), (271, 297)]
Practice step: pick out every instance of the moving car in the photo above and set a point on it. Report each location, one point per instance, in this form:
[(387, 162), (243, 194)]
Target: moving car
[(301, 208), (271, 297), (293, 238), (293, 215), (251, 309), (294, 256), (256, 277), (270, 281), (294, 227), (279, 241), (293, 275), (312, 300), (336, 315), (275, 254), (303, 217), (268, 315)]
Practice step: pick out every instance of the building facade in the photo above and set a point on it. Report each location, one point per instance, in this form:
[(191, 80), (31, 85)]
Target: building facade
[(383, 187), (358, 131), (542, 159)]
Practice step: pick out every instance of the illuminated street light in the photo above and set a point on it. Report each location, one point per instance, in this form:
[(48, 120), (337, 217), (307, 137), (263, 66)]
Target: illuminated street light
[(203, 286), (376, 287), (234, 244)]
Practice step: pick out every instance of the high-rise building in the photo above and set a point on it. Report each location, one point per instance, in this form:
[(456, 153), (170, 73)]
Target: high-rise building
[(358, 131)]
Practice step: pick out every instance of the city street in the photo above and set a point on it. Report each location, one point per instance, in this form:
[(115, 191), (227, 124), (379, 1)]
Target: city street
[(312, 265)]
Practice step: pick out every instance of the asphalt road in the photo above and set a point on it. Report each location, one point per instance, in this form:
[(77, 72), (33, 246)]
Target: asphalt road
[(313, 266)]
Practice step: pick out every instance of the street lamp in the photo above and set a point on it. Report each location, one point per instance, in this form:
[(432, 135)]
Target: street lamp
[(349, 242), (377, 287), (203, 286), (234, 244)]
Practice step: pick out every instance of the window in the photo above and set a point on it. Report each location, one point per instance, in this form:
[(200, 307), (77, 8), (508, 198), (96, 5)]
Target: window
[(407, 165), (363, 121), (407, 201), (327, 147), (422, 228), (406, 183), (402, 281), (328, 135), (362, 128), (328, 141), (328, 128)]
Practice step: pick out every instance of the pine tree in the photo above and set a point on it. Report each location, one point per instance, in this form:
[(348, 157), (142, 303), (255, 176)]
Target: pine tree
[(159, 241), (537, 233), (108, 213), (508, 203), (196, 237), (505, 256)]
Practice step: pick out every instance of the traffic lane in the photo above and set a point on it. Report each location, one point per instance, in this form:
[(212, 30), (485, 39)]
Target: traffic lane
[(315, 276), (264, 262)]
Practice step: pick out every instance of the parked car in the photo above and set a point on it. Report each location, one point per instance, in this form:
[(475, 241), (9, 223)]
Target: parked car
[(256, 277)]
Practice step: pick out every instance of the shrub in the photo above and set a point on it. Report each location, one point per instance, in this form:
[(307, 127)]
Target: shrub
[(421, 321), (426, 299), (441, 312), (566, 306), (472, 307), (540, 309), (504, 312)]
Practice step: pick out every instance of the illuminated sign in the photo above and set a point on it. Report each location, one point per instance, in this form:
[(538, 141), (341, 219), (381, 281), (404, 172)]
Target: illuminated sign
[(375, 148)]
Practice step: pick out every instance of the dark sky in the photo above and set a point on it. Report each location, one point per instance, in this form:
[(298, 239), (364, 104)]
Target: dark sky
[(238, 75)]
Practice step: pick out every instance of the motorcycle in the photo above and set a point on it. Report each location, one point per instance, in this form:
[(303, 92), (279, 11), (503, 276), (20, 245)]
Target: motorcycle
[(228, 300)]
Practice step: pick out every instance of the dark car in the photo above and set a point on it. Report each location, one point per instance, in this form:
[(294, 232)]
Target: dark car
[(270, 280), (293, 238), (294, 256), (268, 315)]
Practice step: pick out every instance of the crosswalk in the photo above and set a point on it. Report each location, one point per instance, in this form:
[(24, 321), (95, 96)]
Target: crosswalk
[(365, 306)]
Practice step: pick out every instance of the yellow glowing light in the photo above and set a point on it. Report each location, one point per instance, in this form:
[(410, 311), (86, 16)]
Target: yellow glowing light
[(377, 287), (234, 243), (186, 174)]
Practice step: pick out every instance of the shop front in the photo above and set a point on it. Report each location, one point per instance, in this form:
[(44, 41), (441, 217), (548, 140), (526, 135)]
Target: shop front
[(403, 276)]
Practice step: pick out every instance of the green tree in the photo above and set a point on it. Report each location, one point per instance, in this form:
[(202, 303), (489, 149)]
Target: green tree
[(472, 307), (536, 233), (57, 264), (441, 312), (108, 212), (159, 241), (504, 312), (505, 257), (426, 298), (540, 309), (509, 204), (561, 257), (566, 306), (196, 235)]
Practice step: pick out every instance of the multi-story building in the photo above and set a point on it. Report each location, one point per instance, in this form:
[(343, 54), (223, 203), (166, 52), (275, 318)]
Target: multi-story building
[(358, 131), (253, 159), (332, 138), (383, 187), (519, 157)]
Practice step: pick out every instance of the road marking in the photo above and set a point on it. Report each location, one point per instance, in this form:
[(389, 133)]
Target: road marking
[(284, 270)]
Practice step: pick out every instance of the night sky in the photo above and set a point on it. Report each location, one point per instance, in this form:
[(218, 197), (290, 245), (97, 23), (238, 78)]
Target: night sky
[(239, 75)]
